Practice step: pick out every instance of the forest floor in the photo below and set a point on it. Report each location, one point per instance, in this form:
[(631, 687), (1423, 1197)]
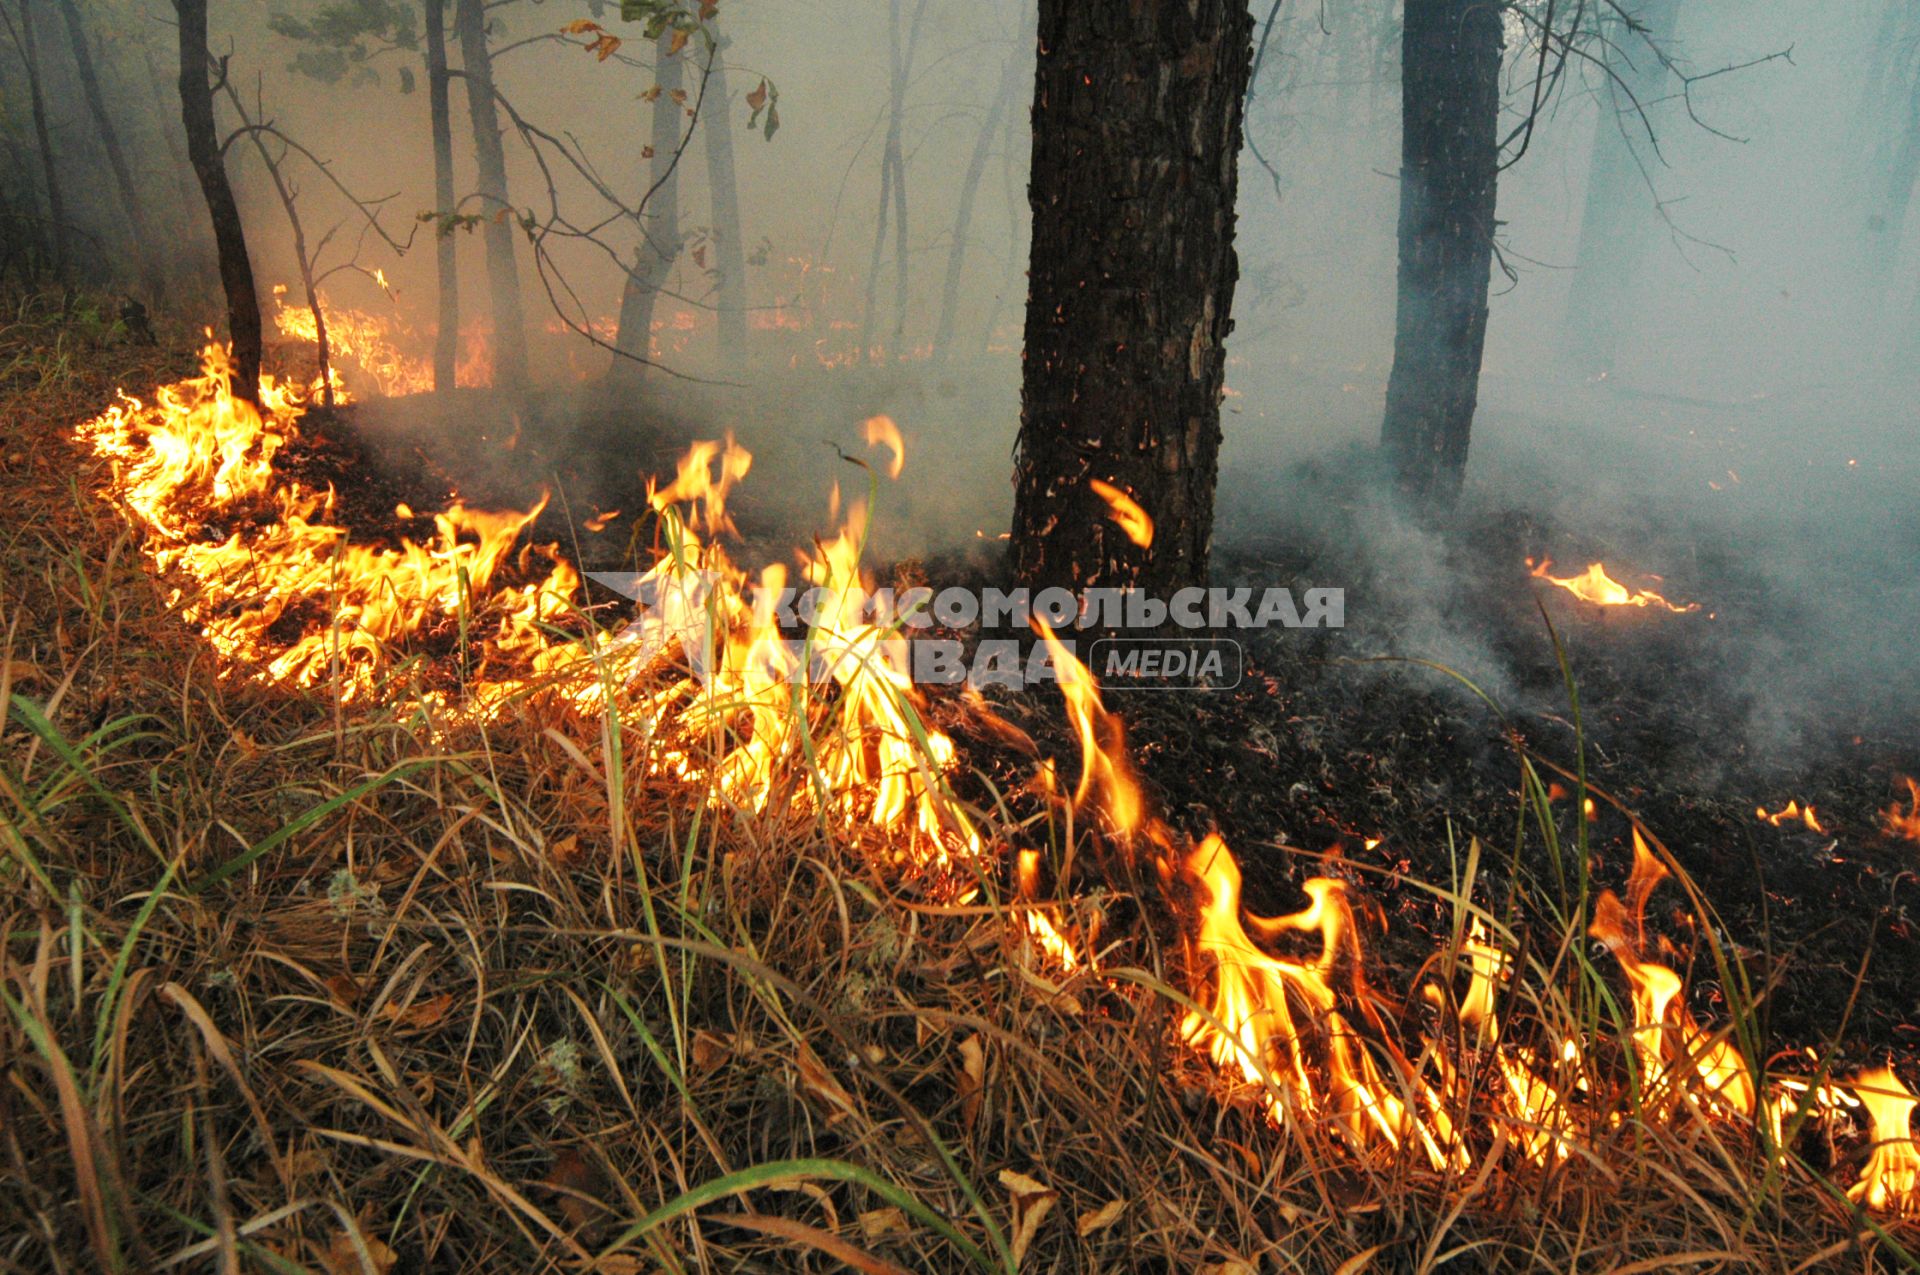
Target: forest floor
[(292, 985)]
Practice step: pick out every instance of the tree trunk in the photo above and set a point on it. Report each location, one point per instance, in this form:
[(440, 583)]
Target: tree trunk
[(209, 165), (503, 275), (1136, 142), (323, 353), (1449, 168), (660, 238), (963, 211), (893, 181), (1613, 227), (730, 257), (49, 169), (130, 204), (446, 335)]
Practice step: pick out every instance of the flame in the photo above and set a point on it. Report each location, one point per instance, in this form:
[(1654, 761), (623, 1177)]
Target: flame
[(829, 723), (1106, 773), (1596, 586), (1890, 1180), (1792, 812), (1904, 823), (1672, 1048), (376, 347), (1040, 927), (1126, 512), (881, 431)]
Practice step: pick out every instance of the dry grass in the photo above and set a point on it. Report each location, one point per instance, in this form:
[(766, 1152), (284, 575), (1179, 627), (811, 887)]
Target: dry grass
[(287, 993)]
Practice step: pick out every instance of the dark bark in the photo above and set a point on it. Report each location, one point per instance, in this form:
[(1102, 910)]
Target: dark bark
[(49, 167), (131, 205), (1614, 225), (660, 239), (500, 226), (446, 336), (963, 210), (730, 257), (1449, 168), (1136, 141), (209, 165)]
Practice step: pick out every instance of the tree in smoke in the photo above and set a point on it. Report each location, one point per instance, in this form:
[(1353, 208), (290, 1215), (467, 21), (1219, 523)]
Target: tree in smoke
[(1633, 52), (208, 156), (1136, 143), (503, 272), (661, 240), (132, 207), (1450, 161), (20, 29), (446, 337)]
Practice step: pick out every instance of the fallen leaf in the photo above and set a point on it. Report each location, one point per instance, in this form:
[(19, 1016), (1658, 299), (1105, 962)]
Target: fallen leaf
[(1358, 1262), (572, 1177), (972, 1079), (878, 1222), (1101, 1218), (344, 989), (421, 1014), (1032, 1201), (353, 1252)]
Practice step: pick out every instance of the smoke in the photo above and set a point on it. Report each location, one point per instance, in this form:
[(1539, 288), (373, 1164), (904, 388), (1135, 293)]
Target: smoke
[(1750, 443)]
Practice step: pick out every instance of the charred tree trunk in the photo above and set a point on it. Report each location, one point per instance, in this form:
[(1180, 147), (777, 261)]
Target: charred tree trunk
[(130, 203), (963, 211), (1614, 225), (1449, 168), (503, 274), (660, 238), (209, 164), (43, 138), (446, 336), (1136, 142), (730, 257)]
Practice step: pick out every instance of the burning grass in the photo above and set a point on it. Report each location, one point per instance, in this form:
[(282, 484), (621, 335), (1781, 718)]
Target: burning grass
[(302, 980)]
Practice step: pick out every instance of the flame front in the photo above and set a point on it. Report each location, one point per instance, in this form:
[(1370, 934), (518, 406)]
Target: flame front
[(1890, 1181), (1792, 812)]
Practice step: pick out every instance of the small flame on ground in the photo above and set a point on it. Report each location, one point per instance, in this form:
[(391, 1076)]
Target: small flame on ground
[(1791, 813), (1904, 823), (1596, 586)]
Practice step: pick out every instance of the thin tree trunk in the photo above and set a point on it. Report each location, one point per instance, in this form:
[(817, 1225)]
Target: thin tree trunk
[(323, 353), (1613, 227), (730, 256), (963, 211), (1449, 149), (130, 202), (1136, 143), (660, 240), (209, 164), (893, 180), (1886, 220), (503, 274), (49, 168), (446, 336)]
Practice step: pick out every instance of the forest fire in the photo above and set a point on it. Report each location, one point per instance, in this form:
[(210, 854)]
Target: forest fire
[(832, 723), (1596, 586), (375, 347)]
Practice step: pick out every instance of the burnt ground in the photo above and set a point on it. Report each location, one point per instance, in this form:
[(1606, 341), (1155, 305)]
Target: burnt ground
[(1333, 737)]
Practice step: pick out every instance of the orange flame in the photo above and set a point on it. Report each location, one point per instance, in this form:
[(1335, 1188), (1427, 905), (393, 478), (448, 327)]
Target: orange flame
[(1126, 512), (1904, 823), (1792, 812), (1596, 586), (1890, 1181)]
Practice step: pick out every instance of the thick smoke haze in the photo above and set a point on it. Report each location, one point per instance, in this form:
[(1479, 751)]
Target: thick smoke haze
[(1753, 426)]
